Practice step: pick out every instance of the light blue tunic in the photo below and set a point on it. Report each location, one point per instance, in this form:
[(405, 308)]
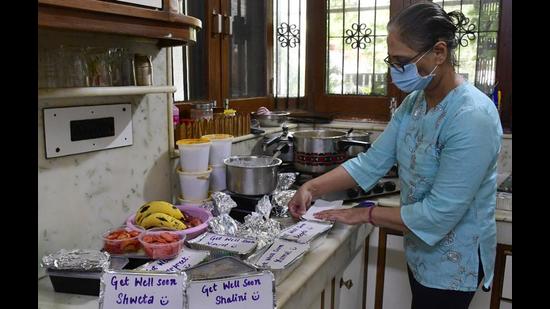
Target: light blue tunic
[(447, 161)]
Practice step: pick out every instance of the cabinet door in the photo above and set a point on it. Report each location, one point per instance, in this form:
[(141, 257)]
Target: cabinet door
[(349, 286), (507, 282)]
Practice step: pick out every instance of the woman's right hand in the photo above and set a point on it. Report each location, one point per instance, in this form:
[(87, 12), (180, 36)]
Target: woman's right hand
[(300, 202)]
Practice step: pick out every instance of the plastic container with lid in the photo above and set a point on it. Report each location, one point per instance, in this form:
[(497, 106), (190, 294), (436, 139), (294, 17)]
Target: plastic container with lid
[(161, 243), (220, 149), (194, 154), (121, 240), (203, 110)]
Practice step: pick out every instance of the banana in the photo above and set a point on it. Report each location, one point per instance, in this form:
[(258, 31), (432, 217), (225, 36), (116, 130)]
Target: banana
[(159, 219), (158, 206)]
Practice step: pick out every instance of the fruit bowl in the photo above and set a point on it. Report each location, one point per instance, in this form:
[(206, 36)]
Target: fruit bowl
[(194, 211)]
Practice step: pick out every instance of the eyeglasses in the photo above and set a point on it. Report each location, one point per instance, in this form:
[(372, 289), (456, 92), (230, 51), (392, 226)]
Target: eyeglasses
[(400, 66)]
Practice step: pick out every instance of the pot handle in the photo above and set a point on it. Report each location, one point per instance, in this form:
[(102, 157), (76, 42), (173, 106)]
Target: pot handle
[(272, 141), (343, 145)]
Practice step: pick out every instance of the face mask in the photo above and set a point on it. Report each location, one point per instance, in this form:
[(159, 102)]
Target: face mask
[(409, 80)]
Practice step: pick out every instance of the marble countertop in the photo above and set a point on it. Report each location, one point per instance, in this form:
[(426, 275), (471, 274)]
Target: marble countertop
[(298, 290)]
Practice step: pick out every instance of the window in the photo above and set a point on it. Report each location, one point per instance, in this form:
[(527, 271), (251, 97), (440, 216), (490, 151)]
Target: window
[(289, 37), (232, 58), (477, 50), (330, 62), (356, 47)]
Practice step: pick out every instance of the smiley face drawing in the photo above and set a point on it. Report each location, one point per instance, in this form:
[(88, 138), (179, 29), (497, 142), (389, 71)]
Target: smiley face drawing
[(164, 300), (255, 296)]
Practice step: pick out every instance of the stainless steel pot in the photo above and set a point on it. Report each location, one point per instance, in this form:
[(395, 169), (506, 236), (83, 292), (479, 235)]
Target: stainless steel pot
[(273, 119), (319, 151), (362, 136), (252, 175)]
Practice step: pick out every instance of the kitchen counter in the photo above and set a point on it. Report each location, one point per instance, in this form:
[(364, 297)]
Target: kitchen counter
[(298, 290)]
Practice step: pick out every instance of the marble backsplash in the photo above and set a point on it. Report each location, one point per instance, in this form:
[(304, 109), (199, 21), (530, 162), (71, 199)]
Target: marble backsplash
[(81, 196)]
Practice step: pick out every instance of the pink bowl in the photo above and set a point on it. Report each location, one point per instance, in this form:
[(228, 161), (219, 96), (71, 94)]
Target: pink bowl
[(194, 211)]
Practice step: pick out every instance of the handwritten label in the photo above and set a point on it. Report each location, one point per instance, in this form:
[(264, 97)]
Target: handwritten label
[(186, 259), (304, 231), (281, 253), (229, 243), (242, 292), (321, 205), (121, 289)]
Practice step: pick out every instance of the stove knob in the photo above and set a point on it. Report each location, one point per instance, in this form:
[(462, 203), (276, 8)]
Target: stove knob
[(377, 188), (389, 186), (353, 192)]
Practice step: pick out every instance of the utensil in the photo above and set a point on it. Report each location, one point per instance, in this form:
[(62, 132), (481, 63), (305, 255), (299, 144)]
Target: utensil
[(252, 175)]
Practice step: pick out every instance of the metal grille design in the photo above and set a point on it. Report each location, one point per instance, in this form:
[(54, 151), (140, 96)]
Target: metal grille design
[(477, 51), (356, 47), (289, 51)]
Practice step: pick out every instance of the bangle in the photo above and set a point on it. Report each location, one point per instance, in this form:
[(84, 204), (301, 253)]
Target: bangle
[(370, 216)]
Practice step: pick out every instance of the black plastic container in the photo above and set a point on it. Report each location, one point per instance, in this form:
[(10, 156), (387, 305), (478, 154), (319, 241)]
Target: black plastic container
[(81, 282)]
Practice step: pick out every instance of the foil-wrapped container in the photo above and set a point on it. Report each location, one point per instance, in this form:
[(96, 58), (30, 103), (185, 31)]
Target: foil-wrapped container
[(223, 224), (259, 226), (281, 200), (285, 180), (77, 259), (79, 271), (223, 245), (282, 271), (282, 194)]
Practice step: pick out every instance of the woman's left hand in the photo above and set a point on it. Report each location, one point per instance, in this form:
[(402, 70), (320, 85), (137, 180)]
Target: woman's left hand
[(347, 216)]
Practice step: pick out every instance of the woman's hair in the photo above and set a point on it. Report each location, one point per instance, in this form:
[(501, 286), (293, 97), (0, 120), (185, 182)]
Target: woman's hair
[(422, 25)]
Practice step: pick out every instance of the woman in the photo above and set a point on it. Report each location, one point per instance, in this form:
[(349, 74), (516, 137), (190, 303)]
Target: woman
[(445, 137)]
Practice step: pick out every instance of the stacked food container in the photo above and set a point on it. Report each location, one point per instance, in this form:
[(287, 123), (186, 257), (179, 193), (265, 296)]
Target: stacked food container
[(201, 167)]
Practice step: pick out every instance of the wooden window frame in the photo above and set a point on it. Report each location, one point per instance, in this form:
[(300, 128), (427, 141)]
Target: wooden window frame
[(316, 99), (217, 69), (377, 107)]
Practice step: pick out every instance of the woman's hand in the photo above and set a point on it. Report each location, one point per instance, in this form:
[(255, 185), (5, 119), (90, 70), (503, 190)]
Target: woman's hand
[(347, 216), (300, 202)]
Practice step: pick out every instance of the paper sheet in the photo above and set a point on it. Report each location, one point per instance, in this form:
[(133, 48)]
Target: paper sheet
[(321, 205)]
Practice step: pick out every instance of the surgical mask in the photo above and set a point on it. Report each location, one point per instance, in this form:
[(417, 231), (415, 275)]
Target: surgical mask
[(409, 80)]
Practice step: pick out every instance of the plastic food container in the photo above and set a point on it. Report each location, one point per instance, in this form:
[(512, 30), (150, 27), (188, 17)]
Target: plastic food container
[(194, 154), (81, 282), (220, 149), (122, 240), (194, 185), (218, 178), (161, 243)]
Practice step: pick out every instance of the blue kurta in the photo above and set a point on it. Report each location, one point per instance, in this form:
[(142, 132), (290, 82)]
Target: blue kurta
[(447, 159)]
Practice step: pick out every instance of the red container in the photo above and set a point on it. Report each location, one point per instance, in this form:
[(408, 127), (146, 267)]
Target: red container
[(161, 243)]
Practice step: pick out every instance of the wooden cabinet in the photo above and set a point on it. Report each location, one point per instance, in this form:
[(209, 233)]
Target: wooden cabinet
[(347, 289), (166, 26), (501, 295), (349, 284)]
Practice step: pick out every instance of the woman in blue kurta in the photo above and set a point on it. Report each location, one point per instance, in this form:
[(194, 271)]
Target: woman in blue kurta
[(445, 138)]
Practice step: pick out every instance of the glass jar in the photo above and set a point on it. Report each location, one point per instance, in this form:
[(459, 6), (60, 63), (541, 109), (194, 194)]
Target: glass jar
[(202, 110)]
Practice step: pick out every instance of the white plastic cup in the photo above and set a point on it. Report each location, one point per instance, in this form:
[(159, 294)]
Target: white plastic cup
[(194, 154), (194, 185), (217, 178), (221, 147)]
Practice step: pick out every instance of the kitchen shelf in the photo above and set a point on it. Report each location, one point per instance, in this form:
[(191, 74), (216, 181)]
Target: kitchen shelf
[(58, 93), (169, 28)]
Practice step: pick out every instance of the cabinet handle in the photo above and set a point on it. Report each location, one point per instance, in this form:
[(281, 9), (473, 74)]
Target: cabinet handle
[(228, 25), (348, 284), (217, 20)]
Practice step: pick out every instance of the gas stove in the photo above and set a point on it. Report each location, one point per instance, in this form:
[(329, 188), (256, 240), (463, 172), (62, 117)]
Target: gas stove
[(389, 184)]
